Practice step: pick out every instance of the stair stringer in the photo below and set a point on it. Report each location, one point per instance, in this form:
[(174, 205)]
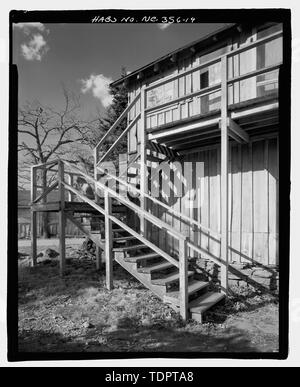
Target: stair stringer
[(145, 279)]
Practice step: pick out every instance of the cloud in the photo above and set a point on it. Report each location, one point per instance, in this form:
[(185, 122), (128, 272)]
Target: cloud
[(28, 27), (163, 26), (98, 85), (35, 49)]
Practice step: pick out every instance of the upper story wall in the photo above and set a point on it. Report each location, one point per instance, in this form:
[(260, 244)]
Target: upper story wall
[(264, 85)]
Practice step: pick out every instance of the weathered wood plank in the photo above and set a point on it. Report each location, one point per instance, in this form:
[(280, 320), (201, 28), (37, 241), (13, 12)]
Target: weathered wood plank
[(247, 204), (62, 220), (260, 202), (273, 210), (108, 242)]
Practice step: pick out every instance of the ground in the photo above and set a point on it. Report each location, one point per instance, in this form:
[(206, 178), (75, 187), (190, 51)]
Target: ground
[(76, 313)]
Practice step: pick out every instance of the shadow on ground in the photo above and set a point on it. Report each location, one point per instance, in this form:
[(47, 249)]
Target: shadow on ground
[(143, 339)]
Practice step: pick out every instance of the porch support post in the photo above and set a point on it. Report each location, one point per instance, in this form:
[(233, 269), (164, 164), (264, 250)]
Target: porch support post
[(183, 279), (98, 257), (143, 169), (33, 217), (224, 177), (62, 219), (108, 241)]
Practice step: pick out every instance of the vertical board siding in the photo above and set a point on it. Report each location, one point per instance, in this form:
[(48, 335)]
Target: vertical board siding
[(253, 202)]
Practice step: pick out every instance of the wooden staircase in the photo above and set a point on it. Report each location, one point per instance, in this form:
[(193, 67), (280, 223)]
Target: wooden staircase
[(161, 277), (169, 278)]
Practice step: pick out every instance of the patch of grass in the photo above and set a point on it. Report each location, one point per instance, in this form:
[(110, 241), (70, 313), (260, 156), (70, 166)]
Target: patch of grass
[(77, 313)]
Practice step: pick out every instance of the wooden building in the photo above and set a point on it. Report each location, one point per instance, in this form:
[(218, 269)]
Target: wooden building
[(183, 108), (202, 157)]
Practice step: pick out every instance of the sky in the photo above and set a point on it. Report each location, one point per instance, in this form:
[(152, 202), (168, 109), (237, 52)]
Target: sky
[(87, 57)]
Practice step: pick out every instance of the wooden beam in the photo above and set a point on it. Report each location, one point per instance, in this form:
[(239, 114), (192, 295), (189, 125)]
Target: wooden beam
[(143, 169), (173, 58), (96, 240), (183, 279), (237, 130), (46, 192), (33, 218), (117, 122), (33, 237), (132, 123), (140, 76), (108, 242), (224, 177), (62, 219)]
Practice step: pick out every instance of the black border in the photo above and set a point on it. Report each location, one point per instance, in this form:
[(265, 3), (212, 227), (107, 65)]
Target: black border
[(205, 16)]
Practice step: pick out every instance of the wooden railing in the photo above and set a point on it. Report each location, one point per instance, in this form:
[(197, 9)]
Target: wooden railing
[(113, 128), (176, 103), (109, 194)]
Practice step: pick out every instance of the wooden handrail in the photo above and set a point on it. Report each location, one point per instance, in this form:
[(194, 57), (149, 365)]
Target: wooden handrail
[(254, 44), (46, 192), (118, 121), (215, 60), (130, 125), (254, 73), (200, 93), (170, 209), (153, 219), (183, 74), (121, 224)]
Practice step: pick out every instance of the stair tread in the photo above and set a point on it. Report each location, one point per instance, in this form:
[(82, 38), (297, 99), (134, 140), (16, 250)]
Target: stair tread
[(124, 238), (173, 277), (139, 258), (118, 230), (128, 248), (193, 287), (205, 302), (155, 267)]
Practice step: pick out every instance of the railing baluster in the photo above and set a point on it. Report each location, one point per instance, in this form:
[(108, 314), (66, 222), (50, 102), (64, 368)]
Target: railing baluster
[(183, 279), (33, 217), (62, 219), (108, 241), (224, 178)]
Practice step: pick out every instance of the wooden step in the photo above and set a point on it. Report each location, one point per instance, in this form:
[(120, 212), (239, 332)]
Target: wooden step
[(193, 287), (140, 258), (169, 279), (121, 239), (156, 267), (203, 303), (124, 238), (129, 248), (118, 230)]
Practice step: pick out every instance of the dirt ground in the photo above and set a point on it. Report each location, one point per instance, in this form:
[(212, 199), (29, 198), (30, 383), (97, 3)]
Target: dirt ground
[(76, 313)]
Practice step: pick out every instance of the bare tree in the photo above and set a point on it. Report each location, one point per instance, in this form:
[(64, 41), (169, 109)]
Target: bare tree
[(44, 134)]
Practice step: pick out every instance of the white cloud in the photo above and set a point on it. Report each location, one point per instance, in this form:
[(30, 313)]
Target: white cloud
[(163, 26), (35, 48), (28, 27), (99, 87)]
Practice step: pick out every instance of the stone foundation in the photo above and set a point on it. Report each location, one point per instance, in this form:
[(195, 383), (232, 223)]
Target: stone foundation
[(240, 274)]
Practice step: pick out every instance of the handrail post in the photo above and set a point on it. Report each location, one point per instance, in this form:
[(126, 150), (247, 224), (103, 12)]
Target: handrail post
[(70, 181), (108, 241), (143, 169), (62, 219), (33, 217), (224, 177), (183, 279)]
